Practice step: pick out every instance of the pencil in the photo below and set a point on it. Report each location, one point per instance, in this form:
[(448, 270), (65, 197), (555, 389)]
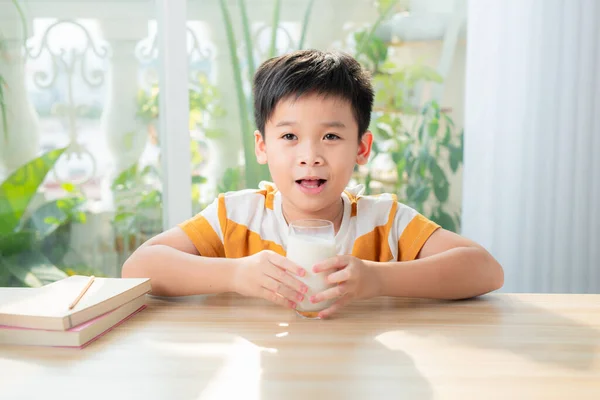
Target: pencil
[(87, 286)]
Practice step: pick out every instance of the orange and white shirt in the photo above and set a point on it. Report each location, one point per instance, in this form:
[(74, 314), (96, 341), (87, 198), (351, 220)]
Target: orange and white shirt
[(242, 223)]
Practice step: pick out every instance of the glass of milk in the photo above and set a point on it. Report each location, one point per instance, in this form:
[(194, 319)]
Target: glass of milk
[(309, 242)]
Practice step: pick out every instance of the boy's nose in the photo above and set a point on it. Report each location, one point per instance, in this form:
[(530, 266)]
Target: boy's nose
[(316, 161), (310, 153), (311, 158)]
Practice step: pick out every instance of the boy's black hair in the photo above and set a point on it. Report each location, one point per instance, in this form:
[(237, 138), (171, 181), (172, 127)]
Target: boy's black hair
[(313, 71)]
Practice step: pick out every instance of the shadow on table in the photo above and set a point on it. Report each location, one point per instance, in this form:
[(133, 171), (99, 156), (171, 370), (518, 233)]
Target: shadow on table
[(278, 355), (500, 323), (503, 323)]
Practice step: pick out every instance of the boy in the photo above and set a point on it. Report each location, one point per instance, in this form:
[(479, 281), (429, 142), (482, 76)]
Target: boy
[(312, 111)]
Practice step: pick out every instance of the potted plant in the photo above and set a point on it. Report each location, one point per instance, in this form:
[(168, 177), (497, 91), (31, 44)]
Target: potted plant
[(419, 143), (32, 238)]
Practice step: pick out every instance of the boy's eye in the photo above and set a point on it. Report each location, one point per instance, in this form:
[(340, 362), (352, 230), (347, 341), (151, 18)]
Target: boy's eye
[(331, 136), (289, 136)]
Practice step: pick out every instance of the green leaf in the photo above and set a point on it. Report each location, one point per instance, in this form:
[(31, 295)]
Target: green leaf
[(368, 180), (410, 160), (80, 217), (441, 187), (400, 168), (375, 149), (68, 187), (408, 152), (447, 136), (6, 278), (383, 5), (17, 242), (457, 220), (32, 268), (368, 36), (305, 24), (57, 244), (230, 181), (449, 120), (126, 179), (52, 221), (382, 131), (397, 156), (424, 159), (421, 132), (48, 217), (419, 194), (198, 180), (151, 199), (456, 157), (122, 216), (17, 191), (444, 219), (274, 28), (214, 133), (433, 126)]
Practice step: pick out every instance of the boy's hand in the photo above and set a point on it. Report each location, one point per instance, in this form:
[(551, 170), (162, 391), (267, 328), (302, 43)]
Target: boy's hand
[(270, 276), (355, 280)]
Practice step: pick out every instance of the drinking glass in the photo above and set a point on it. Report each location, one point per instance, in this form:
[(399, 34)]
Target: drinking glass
[(309, 242)]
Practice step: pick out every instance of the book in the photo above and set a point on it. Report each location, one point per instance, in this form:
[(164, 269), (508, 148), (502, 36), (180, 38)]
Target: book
[(47, 307), (78, 336)]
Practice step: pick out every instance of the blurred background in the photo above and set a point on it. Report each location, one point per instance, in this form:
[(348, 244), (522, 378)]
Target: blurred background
[(119, 119)]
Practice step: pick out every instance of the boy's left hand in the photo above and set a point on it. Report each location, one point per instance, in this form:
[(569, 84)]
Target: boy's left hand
[(355, 280)]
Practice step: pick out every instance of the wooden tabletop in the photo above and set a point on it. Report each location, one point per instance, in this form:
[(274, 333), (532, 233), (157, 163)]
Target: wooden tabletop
[(228, 347)]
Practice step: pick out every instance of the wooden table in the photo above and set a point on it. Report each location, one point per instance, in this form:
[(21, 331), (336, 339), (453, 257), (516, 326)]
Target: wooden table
[(227, 347)]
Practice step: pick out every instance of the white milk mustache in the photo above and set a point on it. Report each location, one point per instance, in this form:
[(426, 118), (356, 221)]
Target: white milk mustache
[(306, 251)]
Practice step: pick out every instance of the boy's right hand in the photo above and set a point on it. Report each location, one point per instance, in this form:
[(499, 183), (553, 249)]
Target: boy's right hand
[(270, 276)]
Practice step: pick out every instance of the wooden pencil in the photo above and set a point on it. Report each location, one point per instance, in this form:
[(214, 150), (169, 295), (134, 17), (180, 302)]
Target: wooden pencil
[(85, 289)]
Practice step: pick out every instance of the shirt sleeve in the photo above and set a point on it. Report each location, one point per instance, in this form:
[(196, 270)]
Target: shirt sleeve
[(413, 230), (206, 228)]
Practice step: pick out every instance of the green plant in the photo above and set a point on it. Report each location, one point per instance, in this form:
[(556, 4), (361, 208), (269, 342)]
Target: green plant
[(138, 200), (420, 160), (204, 104), (253, 172), (231, 181), (421, 140), (27, 236)]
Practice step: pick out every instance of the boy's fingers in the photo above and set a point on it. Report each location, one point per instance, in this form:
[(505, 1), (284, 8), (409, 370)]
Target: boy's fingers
[(328, 312), (331, 293), (273, 297), (286, 278), (282, 262), (332, 263), (340, 276), (281, 289)]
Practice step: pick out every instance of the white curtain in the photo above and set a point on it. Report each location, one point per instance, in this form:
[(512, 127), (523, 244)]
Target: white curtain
[(531, 191)]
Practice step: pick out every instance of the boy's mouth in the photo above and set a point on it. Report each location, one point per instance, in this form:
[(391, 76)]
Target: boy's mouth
[(311, 185)]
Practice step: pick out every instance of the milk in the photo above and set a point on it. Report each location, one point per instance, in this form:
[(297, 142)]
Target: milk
[(306, 251)]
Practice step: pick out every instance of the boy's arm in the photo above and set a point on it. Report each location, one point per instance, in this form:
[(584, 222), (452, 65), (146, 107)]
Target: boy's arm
[(448, 266), (175, 268)]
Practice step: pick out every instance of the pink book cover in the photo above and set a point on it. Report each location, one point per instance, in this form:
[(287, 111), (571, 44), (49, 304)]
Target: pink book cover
[(85, 325)]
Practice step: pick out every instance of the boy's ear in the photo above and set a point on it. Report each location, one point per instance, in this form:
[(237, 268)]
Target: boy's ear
[(364, 148), (259, 148)]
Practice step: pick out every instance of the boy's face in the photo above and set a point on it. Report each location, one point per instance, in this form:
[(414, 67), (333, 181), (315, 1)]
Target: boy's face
[(311, 146)]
